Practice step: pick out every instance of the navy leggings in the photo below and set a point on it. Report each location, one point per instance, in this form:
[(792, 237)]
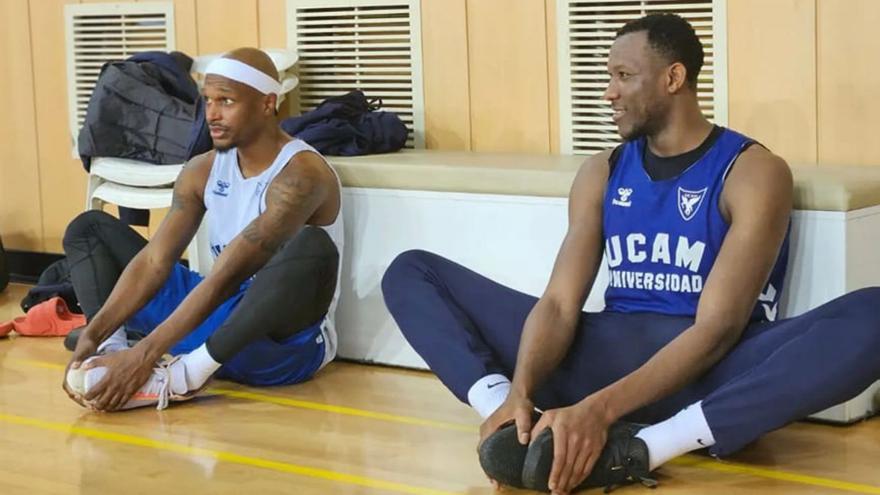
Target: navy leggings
[(466, 326)]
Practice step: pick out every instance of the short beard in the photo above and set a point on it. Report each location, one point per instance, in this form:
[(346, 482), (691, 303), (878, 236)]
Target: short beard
[(224, 147), (654, 122)]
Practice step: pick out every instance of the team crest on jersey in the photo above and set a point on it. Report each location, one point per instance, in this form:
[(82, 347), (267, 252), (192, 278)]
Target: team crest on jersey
[(623, 194), (220, 189), (689, 202)]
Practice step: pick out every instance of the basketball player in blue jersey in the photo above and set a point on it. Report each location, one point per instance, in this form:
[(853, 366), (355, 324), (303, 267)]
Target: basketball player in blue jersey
[(264, 313), (693, 221)]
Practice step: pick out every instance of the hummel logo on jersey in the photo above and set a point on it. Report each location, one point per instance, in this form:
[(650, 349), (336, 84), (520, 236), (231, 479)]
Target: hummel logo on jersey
[(689, 202), (220, 189), (260, 186), (769, 303), (623, 200)]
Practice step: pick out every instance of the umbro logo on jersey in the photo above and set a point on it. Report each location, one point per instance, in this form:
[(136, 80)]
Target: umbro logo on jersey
[(220, 188), (623, 194), (689, 202)]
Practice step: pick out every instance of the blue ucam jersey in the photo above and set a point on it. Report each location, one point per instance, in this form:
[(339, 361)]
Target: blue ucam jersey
[(662, 237)]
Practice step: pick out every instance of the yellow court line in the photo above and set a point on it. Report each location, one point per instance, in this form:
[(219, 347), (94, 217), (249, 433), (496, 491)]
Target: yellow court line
[(38, 364), (220, 455), (737, 468), (688, 460), (351, 411)]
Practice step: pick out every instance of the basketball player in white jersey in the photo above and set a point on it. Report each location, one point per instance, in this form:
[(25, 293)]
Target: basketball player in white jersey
[(264, 314)]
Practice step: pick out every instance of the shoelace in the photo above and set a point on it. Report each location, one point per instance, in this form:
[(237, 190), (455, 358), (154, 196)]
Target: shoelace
[(163, 368), (627, 464)]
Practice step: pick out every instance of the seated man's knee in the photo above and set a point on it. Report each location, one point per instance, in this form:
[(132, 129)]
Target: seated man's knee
[(866, 300), (872, 294), (83, 225), (861, 310), (406, 265), (313, 242)]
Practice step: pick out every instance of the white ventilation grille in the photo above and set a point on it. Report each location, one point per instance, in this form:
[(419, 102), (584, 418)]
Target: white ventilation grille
[(102, 32), (371, 45), (586, 32)]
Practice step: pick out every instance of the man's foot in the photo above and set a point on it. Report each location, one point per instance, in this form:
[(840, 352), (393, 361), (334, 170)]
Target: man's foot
[(167, 384), (502, 456), (623, 460)]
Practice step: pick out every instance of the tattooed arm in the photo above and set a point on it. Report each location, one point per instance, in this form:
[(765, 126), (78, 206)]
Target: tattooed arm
[(293, 198), (147, 271)]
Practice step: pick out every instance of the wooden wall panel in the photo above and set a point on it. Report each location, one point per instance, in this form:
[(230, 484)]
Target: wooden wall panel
[(20, 206), (772, 75), (552, 74), (507, 60), (185, 35), (849, 81), (226, 24), (272, 19), (62, 177), (445, 74)]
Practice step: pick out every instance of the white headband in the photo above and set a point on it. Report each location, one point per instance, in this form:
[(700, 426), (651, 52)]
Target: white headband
[(245, 74)]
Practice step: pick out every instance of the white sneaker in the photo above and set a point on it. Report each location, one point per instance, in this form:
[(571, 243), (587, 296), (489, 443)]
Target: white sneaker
[(166, 384)]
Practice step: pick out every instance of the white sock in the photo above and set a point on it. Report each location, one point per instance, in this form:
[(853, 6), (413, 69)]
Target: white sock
[(199, 366), (488, 393), (680, 434), (116, 341)]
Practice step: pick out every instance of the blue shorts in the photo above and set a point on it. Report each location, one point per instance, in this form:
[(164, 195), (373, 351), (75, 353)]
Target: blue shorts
[(263, 362)]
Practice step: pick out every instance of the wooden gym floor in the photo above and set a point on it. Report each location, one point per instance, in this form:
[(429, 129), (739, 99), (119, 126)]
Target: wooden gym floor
[(354, 430)]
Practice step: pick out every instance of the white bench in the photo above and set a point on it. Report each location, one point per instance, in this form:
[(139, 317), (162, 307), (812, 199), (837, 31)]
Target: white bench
[(504, 215)]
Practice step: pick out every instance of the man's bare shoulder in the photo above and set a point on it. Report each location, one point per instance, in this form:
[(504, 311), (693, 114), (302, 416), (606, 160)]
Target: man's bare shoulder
[(598, 163), (311, 166), (759, 167), (194, 176), (758, 179), (309, 159), (591, 177), (201, 163)]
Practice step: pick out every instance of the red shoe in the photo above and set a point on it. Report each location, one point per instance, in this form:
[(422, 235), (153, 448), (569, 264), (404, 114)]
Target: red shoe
[(50, 318)]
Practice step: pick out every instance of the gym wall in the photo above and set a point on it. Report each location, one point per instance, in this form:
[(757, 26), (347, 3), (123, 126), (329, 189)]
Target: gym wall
[(801, 79)]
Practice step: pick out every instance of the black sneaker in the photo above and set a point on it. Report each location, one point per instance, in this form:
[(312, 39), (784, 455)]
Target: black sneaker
[(73, 337), (502, 456), (624, 460)]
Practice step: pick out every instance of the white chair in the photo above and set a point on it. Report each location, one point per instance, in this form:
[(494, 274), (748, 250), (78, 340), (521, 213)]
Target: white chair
[(137, 184)]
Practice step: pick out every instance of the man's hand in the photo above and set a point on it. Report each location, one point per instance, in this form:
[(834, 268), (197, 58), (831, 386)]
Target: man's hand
[(516, 408), (127, 371), (86, 346), (579, 434)]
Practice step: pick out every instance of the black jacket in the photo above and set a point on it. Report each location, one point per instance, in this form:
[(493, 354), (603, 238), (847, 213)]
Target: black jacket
[(145, 108)]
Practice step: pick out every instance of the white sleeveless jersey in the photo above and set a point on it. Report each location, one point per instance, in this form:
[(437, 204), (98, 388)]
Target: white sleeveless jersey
[(233, 202)]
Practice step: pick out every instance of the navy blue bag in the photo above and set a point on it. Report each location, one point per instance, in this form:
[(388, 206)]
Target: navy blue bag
[(349, 125)]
